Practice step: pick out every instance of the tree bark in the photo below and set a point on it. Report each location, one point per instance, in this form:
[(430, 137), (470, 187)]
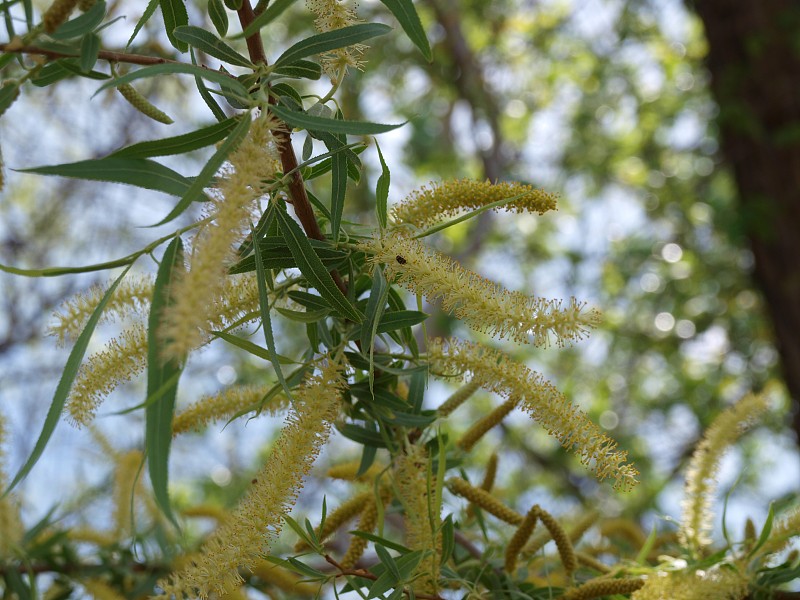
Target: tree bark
[(754, 59)]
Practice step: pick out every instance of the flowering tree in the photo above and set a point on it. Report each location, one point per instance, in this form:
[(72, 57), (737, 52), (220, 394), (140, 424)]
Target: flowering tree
[(266, 249)]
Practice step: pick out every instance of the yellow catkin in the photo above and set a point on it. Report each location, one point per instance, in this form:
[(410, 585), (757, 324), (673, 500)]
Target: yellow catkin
[(422, 517), (208, 511), (332, 15), (783, 530), (143, 105), (347, 471), (232, 206), (132, 296), (127, 479), (225, 405), (100, 590), (482, 304), (498, 373), (484, 500), (565, 550), (598, 588), (349, 509), (242, 540), (587, 560), (366, 523), (458, 398), (91, 536), (430, 205), (122, 359), (520, 538), (488, 480), (58, 12), (479, 429), (718, 583), (11, 530), (701, 475), (624, 528), (275, 576)]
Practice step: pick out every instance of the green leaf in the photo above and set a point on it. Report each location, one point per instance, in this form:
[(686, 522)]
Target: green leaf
[(250, 347), (388, 560), (8, 93), (338, 192), (179, 144), (332, 40), (179, 69), (219, 17), (90, 50), (416, 389), (175, 15), (306, 121), (274, 10), (765, 531), (215, 108), (302, 69), (266, 321), (148, 12), (361, 435), (407, 16), (310, 301), (448, 538), (65, 384), (195, 190), (275, 254), (301, 316), (388, 543), (162, 379), (368, 455), (81, 24), (233, 4), (139, 172), (375, 307), (210, 44), (382, 191), (392, 321), (312, 268)]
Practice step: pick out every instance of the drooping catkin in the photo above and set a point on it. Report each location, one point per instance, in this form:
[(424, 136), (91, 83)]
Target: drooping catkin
[(100, 590), (245, 538), (458, 398), (701, 476), (142, 104), (479, 429), (565, 549), (57, 14), (498, 373), (366, 523), (599, 588), (225, 405), (332, 15), (484, 500), (127, 481), (488, 480), (429, 205), (349, 471), (422, 517), (520, 538), (349, 509), (482, 304)]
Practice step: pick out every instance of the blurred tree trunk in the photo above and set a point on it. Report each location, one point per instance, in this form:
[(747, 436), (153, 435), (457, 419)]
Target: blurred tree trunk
[(754, 59)]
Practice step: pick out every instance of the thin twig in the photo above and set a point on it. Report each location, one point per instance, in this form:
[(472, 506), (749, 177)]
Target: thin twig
[(364, 574), (121, 57)]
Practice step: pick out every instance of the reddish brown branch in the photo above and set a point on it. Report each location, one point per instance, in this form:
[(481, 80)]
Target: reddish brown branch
[(122, 57), (364, 574)]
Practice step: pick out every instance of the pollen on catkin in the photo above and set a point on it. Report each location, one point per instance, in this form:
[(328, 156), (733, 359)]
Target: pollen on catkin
[(366, 523), (11, 530), (701, 475), (430, 205), (520, 538), (232, 209), (782, 532), (132, 296), (479, 429), (122, 359), (482, 304), (600, 588), (422, 517), (225, 405), (458, 398), (100, 590), (58, 12), (349, 471), (563, 544), (716, 583), (245, 538), (496, 372), (484, 500), (332, 15), (126, 486)]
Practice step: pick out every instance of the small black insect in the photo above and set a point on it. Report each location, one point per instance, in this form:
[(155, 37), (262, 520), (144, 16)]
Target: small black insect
[(401, 260)]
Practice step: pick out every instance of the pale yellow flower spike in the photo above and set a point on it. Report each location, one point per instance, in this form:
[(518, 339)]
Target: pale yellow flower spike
[(367, 523), (496, 372), (482, 304), (132, 296), (479, 429), (782, 532), (600, 588), (122, 359), (245, 538), (332, 15), (696, 521), (347, 471), (430, 205), (197, 291), (458, 398), (225, 405), (422, 520), (520, 538), (484, 500), (719, 584), (100, 590), (11, 530)]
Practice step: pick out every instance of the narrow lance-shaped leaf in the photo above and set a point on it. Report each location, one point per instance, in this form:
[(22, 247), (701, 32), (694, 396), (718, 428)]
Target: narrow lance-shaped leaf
[(175, 15), (332, 40), (407, 16), (216, 11), (310, 122), (65, 384), (312, 268), (162, 379), (179, 69), (148, 12), (195, 190), (210, 44), (81, 24), (179, 144), (338, 192), (266, 321), (90, 50), (215, 108), (382, 191)]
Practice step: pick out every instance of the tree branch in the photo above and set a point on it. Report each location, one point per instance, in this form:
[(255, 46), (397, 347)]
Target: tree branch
[(121, 57)]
